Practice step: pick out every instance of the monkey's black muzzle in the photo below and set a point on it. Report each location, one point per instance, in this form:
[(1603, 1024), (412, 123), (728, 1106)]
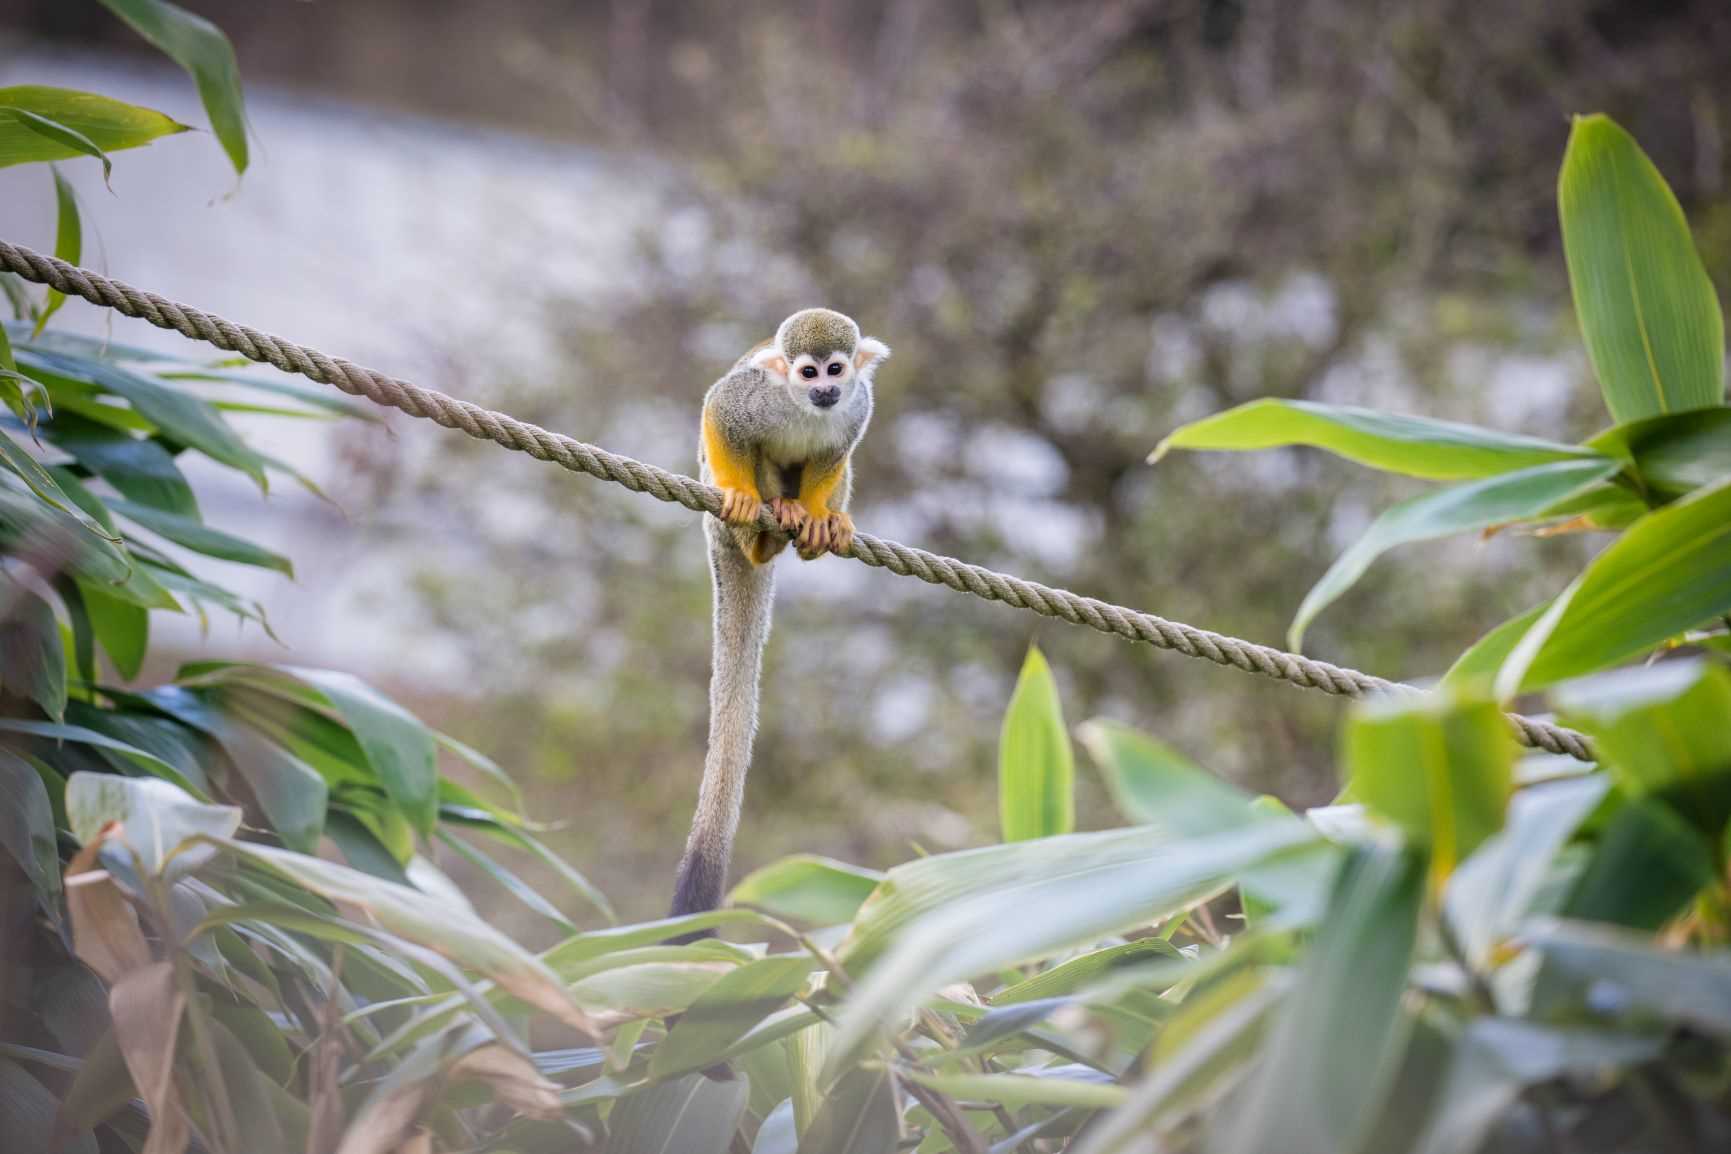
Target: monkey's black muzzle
[(825, 396)]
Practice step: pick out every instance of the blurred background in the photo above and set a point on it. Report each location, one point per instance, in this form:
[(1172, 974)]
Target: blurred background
[(1077, 224)]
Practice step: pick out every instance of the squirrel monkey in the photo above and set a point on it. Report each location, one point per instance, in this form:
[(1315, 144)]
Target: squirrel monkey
[(779, 428)]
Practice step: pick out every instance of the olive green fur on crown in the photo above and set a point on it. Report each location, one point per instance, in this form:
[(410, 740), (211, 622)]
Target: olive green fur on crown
[(818, 333)]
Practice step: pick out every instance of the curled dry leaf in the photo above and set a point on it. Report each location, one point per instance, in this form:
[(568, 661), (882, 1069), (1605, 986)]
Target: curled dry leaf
[(513, 1078), (105, 928), (147, 1005)]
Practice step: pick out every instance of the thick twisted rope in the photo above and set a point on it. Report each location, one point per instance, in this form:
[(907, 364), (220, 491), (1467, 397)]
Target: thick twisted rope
[(487, 425)]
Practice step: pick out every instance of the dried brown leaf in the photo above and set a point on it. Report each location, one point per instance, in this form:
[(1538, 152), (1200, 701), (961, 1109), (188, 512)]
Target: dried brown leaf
[(147, 1005), (513, 1078), (105, 927)]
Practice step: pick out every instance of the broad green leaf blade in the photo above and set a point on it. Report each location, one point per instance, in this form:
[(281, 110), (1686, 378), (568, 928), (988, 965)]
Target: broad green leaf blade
[(1481, 504), (1217, 1041), (1663, 732), (32, 660), (1648, 864), (858, 1116), (1023, 1090), (945, 918), (1436, 766), (30, 526), (204, 52), (1337, 1040), (1070, 976), (121, 628), (72, 139), (401, 749), (157, 818), (694, 1115), (1494, 888), (109, 125), (1156, 785), (1410, 446), (1669, 572), (139, 467), (68, 237), (201, 538), (1477, 668), (1648, 311), (410, 914), (42, 483), (142, 759), (726, 1011), (1036, 769), (807, 888), (180, 416), (1626, 970), (27, 828), (1673, 454)]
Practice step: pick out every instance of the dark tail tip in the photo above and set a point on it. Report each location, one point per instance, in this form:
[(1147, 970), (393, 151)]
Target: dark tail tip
[(697, 888)]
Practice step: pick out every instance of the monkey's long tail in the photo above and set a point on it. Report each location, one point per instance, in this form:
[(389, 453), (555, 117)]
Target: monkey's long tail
[(744, 594)]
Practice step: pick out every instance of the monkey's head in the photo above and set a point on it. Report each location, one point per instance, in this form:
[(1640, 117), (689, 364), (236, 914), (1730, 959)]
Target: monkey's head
[(821, 356)]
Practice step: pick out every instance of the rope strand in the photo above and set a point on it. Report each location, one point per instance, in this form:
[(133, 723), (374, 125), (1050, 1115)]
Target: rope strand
[(487, 425)]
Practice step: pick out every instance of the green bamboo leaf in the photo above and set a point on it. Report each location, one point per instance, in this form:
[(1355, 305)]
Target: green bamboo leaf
[(1620, 968), (140, 468), (407, 913), (1036, 769), (179, 415), (121, 627), (33, 527), (319, 396), (1477, 667), (1025, 1090), (1156, 785), (400, 748), (42, 483), (1525, 494), (807, 888), (200, 48), (71, 138), (1648, 310), (28, 1114), (1648, 864), (27, 828), (694, 1115), (80, 121), (201, 538), (1338, 1037), (1074, 973), (1662, 732), (1669, 572), (68, 236), (946, 917), (1437, 766), (1410, 446), (141, 758), (858, 1116), (1495, 888), (726, 1011), (1673, 454), (32, 660)]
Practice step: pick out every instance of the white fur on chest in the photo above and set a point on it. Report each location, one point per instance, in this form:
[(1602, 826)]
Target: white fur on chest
[(810, 434)]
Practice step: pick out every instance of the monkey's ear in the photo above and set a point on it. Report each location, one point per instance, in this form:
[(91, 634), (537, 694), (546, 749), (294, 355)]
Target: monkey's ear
[(768, 359), (871, 351)]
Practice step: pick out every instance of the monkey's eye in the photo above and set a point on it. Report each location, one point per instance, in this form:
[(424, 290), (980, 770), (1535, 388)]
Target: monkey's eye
[(835, 368), (809, 372)]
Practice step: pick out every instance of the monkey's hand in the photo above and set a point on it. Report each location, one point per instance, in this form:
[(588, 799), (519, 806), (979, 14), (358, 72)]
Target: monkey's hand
[(740, 506), (832, 533), (790, 515)]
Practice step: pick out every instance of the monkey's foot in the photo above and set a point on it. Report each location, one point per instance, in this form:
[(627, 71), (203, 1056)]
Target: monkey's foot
[(739, 507), (790, 515), (832, 533)]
